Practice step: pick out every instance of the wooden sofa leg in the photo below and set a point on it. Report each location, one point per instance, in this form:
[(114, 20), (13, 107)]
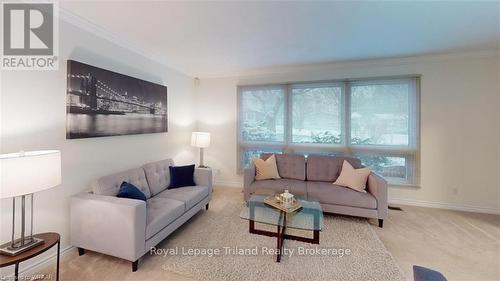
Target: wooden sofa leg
[(380, 223), (134, 265), (206, 206), (81, 251)]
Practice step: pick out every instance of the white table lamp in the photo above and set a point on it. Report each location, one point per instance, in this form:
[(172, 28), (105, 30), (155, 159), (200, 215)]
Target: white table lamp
[(200, 140), (23, 174)]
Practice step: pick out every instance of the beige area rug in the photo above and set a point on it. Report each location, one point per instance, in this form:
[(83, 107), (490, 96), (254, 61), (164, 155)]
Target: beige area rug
[(222, 227)]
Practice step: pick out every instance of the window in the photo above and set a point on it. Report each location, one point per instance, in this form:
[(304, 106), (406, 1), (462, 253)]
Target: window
[(374, 120), (380, 114), (262, 114), (390, 167), (316, 114)]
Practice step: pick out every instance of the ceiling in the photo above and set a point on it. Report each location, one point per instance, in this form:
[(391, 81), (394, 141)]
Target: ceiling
[(210, 39)]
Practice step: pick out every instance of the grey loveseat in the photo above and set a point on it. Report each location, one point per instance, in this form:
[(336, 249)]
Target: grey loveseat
[(128, 228), (313, 177)]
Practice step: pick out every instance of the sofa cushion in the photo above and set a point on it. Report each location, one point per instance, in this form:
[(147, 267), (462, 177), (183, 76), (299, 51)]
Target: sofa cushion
[(181, 176), (290, 166), (328, 193), (158, 175), (266, 169), (355, 179), (327, 168), (130, 191), (296, 187), (160, 212), (110, 185), (189, 195)]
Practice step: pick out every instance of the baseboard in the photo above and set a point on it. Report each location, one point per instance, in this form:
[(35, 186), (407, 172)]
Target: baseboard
[(34, 268), (233, 184), (448, 206)]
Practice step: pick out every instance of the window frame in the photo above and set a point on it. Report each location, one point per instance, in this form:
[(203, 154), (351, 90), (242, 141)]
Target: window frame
[(240, 111), (292, 86), (411, 152)]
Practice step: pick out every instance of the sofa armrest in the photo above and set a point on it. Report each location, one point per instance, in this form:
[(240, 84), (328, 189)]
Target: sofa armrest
[(203, 177), (248, 179), (377, 186), (109, 225)]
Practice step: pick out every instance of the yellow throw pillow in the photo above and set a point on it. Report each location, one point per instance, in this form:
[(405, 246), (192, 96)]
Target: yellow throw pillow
[(353, 178), (265, 170)]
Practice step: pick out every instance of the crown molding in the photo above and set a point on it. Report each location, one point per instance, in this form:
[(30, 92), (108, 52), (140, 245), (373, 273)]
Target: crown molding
[(388, 61), (80, 22)]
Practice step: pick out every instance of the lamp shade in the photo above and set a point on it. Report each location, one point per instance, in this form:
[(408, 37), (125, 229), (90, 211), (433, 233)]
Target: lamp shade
[(200, 139), (29, 172)]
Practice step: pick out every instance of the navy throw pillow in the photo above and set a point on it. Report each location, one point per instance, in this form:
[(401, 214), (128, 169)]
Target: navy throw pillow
[(128, 190), (181, 176)]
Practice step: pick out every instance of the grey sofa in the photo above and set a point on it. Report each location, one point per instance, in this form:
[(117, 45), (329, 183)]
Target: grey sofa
[(313, 177), (128, 228)]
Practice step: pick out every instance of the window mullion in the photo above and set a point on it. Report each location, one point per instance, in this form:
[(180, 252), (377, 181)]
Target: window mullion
[(288, 118), (239, 109), (413, 108), (346, 114), (415, 131)]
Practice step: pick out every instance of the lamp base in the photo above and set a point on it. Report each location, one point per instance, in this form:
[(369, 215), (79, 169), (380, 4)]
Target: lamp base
[(203, 166), (17, 248)]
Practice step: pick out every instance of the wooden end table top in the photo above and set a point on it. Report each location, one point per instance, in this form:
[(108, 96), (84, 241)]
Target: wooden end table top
[(50, 239)]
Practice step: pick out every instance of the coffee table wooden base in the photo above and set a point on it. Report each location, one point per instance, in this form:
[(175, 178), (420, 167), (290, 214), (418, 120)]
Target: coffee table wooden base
[(281, 235)]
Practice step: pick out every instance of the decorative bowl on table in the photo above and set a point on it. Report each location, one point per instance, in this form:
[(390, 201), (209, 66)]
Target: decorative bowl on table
[(285, 202)]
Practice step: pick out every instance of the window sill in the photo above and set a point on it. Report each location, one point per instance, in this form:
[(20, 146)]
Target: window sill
[(403, 185)]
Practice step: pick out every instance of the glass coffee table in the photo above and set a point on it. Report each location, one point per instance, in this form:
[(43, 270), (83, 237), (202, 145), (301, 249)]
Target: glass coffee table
[(309, 218)]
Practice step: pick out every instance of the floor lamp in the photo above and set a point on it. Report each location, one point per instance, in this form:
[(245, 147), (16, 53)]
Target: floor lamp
[(22, 175)]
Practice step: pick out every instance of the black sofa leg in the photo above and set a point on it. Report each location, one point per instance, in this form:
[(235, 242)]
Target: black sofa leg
[(206, 207), (134, 265), (81, 251), (380, 223)]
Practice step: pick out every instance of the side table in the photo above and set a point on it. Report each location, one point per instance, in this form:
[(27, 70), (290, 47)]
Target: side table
[(50, 239)]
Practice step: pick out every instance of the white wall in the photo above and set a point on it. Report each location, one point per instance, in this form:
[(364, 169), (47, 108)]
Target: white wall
[(33, 116), (460, 123)]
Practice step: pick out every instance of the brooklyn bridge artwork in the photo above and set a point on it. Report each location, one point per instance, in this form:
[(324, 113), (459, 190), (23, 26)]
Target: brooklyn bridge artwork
[(105, 103)]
